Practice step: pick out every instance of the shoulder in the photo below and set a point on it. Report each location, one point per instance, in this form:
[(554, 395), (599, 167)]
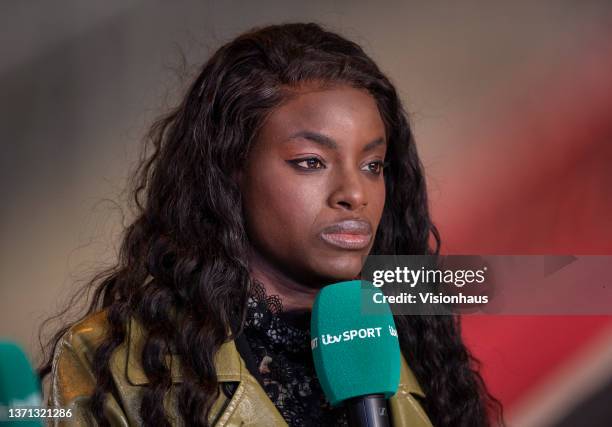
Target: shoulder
[(73, 380), (72, 372), (87, 334)]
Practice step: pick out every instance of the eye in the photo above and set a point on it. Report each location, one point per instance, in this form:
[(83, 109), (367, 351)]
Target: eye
[(376, 167), (309, 163)]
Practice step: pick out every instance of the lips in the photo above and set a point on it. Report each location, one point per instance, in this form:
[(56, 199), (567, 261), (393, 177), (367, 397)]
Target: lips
[(349, 234)]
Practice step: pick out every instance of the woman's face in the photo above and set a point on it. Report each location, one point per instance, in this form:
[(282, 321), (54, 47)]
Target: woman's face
[(313, 187)]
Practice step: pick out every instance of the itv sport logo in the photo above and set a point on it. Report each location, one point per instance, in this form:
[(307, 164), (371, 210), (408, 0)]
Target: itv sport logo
[(351, 334)]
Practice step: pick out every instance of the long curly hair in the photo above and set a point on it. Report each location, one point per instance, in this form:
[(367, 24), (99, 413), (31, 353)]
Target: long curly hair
[(182, 269)]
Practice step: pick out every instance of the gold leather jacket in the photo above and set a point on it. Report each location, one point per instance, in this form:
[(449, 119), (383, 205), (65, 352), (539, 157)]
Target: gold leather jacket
[(72, 384)]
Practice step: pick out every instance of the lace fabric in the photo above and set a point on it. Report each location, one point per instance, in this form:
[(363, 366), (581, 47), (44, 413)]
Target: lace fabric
[(280, 344)]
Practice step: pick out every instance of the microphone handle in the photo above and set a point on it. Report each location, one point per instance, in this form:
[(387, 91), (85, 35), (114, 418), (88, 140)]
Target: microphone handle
[(368, 411)]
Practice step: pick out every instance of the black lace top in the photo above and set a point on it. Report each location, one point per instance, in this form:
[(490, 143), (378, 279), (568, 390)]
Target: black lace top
[(280, 355)]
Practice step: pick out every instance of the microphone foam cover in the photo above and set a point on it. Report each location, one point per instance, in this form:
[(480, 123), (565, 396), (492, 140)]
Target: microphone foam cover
[(355, 352)]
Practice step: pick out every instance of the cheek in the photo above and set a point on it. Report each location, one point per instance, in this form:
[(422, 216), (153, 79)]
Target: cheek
[(379, 198), (283, 208), (377, 204)]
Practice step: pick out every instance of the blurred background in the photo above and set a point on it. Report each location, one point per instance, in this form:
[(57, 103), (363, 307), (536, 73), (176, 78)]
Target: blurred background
[(511, 104)]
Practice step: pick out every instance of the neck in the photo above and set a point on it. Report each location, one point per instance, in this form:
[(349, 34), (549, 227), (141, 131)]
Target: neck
[(295, 296)]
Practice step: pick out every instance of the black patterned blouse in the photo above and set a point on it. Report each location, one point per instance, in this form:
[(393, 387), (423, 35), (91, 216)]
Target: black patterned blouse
[(279, 353)]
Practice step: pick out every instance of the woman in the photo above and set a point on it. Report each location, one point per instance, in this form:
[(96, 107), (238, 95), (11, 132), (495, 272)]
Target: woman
[(288, 162)]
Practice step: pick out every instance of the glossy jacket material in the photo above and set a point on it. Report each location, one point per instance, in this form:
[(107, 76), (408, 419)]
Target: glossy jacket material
[(72, 384)]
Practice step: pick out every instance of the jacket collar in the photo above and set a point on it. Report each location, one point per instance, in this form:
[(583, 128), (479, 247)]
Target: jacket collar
[(228, 363)]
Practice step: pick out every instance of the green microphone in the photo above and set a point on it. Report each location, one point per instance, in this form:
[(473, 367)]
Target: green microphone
[(356, 351), (20, 398)]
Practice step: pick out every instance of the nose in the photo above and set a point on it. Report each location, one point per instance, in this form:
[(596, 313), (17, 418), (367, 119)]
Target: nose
[(348, 190)]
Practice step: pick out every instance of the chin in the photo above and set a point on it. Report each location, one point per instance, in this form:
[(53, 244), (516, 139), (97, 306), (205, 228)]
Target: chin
[(342, 269)]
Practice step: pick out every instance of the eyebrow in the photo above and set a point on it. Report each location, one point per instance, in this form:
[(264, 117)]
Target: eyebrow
[(328, 142)]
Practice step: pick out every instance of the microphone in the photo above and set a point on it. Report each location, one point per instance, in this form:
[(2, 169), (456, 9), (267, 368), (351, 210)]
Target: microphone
[(356, 351), (19, 388)]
